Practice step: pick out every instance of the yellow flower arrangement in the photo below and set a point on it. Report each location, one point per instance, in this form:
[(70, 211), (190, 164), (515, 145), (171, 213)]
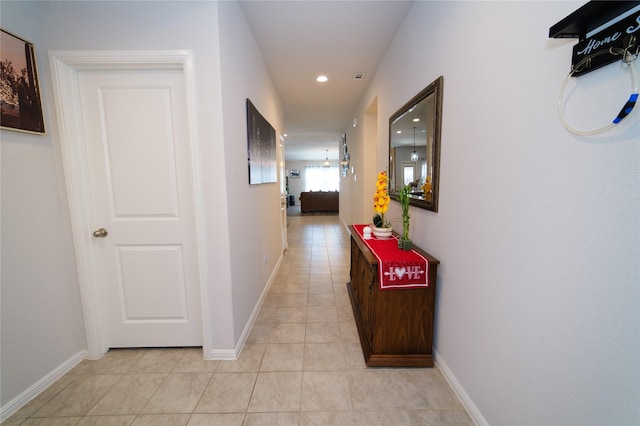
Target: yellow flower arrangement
[(381, 200), (426, 189)]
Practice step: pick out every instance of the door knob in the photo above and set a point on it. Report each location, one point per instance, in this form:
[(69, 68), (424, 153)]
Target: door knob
[(100, 233)]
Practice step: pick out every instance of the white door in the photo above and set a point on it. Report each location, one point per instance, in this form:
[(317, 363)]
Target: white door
[(136, 139)]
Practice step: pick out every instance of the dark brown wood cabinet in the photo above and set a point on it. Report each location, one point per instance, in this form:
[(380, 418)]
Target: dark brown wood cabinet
[(320, 201), (395, 326)]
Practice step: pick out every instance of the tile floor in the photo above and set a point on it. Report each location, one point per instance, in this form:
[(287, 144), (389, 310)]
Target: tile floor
[(302, 364)]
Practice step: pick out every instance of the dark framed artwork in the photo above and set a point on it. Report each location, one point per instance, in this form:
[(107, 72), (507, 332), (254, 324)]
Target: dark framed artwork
[(261, 147), (20, 102), (295, 174)]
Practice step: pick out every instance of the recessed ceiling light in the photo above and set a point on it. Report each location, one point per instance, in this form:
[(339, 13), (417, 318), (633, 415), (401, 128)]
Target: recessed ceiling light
[(415, 120), (322, 79)]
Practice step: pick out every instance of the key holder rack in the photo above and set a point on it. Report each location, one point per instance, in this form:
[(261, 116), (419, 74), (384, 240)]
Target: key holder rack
[(599, 47), (608, 31)]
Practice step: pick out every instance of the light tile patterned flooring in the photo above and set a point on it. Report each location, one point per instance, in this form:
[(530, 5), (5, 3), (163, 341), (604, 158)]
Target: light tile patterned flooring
[(302, 364)]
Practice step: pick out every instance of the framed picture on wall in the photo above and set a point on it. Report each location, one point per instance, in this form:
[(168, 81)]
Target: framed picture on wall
[(295, 174), (261, 147), (20, 102)]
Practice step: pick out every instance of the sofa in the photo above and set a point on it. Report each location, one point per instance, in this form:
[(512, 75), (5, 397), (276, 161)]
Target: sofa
[(319, 201)]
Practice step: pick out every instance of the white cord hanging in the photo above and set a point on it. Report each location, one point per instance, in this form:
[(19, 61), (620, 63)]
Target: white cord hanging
[(626, 109)]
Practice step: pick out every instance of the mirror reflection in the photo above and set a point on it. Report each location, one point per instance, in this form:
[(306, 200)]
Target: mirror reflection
[(414, 147)]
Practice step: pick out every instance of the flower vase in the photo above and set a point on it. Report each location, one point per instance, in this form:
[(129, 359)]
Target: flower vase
[(381, 233), (405, 244)]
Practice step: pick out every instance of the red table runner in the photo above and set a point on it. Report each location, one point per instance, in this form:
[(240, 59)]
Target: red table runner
[(397, 269)]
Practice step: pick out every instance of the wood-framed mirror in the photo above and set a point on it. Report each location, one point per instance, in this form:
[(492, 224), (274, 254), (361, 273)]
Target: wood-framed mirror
[(414, 147)]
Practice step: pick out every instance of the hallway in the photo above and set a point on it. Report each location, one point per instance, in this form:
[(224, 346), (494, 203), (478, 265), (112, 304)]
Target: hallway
[(302, 364)]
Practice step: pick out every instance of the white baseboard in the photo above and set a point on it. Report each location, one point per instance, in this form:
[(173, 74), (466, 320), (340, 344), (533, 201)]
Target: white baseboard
[(218, 354), (256, 310), (233, 354), (21, 400), (222, 355), (468, 404)]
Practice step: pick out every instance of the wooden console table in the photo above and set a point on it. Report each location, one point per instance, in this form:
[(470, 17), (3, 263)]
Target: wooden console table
[(395, 326)]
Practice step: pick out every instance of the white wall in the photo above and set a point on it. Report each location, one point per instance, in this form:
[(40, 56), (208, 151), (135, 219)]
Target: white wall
[(296, 186), (538, 230), (42, 324), (352, 187), (358, 189), (253, 210), (41, 313)]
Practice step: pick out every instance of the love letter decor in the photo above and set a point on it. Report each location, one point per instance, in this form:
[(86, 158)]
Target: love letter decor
[(397, 269)]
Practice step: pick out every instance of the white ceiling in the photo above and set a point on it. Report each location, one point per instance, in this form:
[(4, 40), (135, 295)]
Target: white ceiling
[(303, 39)]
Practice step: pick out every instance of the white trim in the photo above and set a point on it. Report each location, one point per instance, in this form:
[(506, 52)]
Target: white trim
[(462, 395), (254, 315), (199, 197), (235, 353), (37, 388), (65, 66), (222, 355)]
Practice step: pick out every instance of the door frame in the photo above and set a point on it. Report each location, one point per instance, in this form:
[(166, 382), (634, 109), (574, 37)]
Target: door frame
[(65, 66), (283, 195)]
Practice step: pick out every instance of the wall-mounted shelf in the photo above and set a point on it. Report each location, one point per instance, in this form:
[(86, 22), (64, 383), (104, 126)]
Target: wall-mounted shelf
[(600, 45), (589, 17)]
